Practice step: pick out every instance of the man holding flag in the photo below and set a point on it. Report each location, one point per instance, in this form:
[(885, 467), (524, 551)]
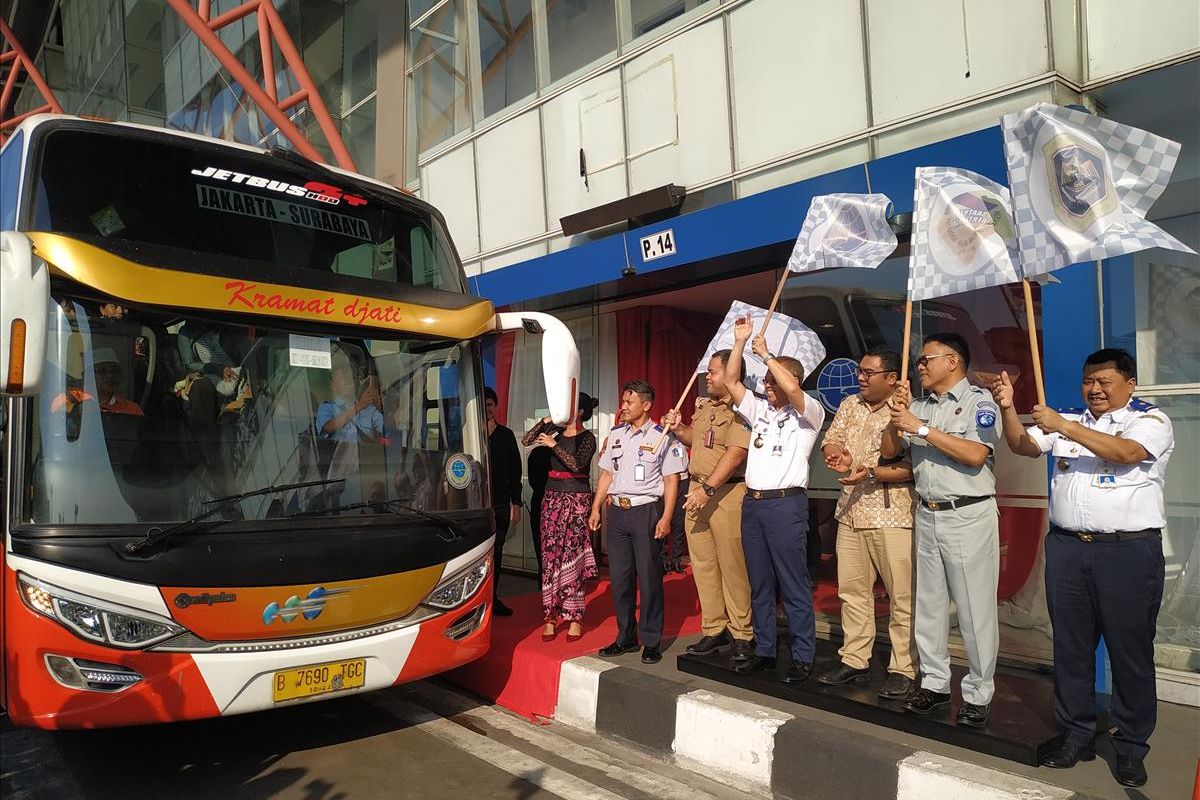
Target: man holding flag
[(952, 434), (784, 430)]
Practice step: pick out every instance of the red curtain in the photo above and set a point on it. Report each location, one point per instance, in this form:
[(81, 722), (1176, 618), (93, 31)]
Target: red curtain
[(661, 345), (504, 361)]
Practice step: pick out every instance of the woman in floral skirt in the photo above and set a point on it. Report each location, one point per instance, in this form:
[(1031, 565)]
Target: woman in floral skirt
[(567, 559)]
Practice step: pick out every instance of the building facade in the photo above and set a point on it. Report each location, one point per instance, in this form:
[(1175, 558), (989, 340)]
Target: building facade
[(511, 115)]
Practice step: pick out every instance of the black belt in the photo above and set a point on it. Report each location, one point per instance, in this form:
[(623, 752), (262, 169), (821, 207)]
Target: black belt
[(731, 481), (772, 494), (946, 505), (1112, 536)]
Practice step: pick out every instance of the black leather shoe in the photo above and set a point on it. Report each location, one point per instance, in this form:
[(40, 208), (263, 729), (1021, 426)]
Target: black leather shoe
[(896, 687), (844, 673), (972, 716), (501, 610), (709, 645), (618, 649), (798, 672), (651, 655), (1068, 755), (925, 701), (1131, 771), (742, 650), (756, 663)]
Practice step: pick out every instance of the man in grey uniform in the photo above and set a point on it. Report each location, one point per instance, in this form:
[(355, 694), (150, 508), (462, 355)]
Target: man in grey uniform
[(952, 434), (640, 483)]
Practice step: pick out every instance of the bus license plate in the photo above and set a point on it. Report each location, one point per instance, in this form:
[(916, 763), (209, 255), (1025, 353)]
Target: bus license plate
[(320, 679)]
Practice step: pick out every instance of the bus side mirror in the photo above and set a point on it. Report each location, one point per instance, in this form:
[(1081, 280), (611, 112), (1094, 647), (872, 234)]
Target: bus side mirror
[(24, 296), (560, 359)]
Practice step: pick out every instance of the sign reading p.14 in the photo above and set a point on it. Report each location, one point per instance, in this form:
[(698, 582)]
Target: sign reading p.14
[(657, 245)]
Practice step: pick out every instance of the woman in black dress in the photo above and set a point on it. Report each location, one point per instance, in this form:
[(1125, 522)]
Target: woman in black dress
[(567, 559)]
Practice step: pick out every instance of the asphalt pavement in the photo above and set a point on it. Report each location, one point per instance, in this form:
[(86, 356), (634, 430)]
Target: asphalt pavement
[(419, 741)]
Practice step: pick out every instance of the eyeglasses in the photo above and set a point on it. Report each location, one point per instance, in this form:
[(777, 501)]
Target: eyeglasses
[(871, 373), (923, 361)]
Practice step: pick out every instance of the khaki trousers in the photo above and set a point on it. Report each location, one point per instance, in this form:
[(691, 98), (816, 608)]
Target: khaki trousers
[(863, 553), (714, 539)]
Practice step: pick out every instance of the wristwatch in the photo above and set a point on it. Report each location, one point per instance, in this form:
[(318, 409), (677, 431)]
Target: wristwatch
[(871, 474), (923, 431), (709, 491)]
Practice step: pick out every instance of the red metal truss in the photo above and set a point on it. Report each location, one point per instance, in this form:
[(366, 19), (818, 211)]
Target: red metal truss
[(14, 57), (271, 33)]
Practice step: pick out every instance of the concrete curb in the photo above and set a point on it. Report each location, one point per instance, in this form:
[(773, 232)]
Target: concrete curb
[(766, 751)]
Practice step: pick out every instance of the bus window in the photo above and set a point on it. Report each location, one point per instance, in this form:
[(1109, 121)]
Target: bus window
[(820, 313)]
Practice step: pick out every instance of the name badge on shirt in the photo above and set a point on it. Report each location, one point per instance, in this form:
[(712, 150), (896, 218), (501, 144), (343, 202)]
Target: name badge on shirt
[(1104, 479), (639, 472), (709, 439)]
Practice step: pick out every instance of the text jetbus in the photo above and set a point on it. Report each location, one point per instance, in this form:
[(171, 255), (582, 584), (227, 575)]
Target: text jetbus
[(244, 455)]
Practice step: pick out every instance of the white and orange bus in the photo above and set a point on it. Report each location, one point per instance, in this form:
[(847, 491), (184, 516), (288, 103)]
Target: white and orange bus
[(244, 455)]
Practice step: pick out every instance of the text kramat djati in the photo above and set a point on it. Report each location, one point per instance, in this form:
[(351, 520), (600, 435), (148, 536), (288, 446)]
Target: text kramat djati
[(361, 310)]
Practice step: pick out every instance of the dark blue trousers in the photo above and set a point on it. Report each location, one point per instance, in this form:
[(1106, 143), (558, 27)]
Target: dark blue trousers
[(774, 539), (1109, 589), (635, 567)]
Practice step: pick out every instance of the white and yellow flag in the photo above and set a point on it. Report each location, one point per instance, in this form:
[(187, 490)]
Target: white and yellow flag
[(963, 235), (1082, 186)]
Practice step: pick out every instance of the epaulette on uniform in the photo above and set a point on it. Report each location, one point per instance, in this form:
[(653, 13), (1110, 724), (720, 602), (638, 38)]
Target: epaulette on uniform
[(621, 426), (1138, 404), (658, 428)]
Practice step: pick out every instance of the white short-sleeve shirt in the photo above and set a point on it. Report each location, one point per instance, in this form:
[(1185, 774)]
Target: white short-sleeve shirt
[(1093, 495), (781, 441)]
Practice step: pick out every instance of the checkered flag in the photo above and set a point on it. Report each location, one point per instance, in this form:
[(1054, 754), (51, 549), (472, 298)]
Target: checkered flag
[(844, 230), (785, 337), (963, 234), (1082, 186)]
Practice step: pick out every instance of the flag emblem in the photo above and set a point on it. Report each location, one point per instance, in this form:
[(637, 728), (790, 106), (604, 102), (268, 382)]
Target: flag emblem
[(844, 230), (963, 234)]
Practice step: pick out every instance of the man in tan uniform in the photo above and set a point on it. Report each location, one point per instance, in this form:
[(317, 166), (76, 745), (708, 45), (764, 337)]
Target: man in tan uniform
[(875, 528), (718, 439)]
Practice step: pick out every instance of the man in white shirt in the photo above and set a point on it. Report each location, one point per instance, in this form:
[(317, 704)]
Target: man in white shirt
[(1104, 558), (783, 433)]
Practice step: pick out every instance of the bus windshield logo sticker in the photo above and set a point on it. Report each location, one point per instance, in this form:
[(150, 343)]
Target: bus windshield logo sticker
[(253, 205), (310, 607), (313, 190), (458, 471)]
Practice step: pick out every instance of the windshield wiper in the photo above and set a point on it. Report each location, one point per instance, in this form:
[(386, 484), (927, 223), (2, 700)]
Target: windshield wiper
[(448, 530), (157, 535)]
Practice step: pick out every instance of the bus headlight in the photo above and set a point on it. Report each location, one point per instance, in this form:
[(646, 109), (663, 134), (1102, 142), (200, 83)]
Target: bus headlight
[(460, 587), (96, 620)]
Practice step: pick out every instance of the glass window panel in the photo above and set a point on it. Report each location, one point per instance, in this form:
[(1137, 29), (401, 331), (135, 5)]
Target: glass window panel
[(580, 32), (361, 50), (1178, 642), (439, 83), (649, 15), (358, 131), (506, 52), (321, 48), (418, 7)]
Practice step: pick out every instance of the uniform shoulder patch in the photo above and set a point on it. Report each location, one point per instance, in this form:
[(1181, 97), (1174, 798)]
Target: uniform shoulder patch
[(986, 414), (620, 427), (1138, 404)]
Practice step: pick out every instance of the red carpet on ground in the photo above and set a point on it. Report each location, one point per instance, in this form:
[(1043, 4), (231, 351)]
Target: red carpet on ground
[(520, 671)]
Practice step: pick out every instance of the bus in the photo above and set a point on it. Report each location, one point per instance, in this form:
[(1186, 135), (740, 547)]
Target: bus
[(244, 450)]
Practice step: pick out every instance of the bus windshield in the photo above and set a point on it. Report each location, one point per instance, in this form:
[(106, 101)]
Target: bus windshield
[(204, 207), (145, 416)]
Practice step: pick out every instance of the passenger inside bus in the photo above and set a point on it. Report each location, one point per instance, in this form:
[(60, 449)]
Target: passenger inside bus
[(346, 417), (107, 370)]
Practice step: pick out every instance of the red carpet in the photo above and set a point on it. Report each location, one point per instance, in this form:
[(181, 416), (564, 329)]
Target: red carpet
[(520, 671)]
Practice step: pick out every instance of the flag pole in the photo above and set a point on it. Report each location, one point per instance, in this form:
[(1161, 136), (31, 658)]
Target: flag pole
[(907, 334), (678, 405), (1034, 351), (774, 301)]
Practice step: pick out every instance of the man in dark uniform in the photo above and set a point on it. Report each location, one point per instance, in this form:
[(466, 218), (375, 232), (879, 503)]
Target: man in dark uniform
[(504, 460), (639, 480), (1104, 558)]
